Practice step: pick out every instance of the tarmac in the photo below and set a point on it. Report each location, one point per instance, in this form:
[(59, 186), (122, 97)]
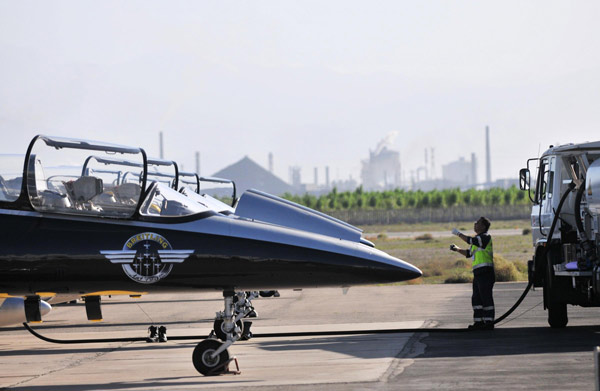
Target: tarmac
[(521, 353)]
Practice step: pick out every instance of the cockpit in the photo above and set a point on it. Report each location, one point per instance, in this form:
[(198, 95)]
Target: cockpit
[(69, 176), (81, 177)]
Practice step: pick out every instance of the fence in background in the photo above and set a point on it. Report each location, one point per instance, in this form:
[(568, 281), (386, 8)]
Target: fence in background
[(432, 215)]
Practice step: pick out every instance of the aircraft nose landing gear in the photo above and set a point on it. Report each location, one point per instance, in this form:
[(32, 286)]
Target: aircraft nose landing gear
[(206, 361), (210, 356)]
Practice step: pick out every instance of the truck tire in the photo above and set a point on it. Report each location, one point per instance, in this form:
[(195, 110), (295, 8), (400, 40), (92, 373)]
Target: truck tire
[(557, 311)]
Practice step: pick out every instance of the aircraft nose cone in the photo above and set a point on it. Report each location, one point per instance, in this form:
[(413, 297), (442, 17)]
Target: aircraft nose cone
[(394, 269), (412, 271), (404, 271)]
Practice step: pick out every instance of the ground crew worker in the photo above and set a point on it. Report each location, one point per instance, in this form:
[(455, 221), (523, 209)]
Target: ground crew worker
[(482, 252)]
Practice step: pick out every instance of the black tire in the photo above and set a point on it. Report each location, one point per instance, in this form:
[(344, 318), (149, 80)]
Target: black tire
[(557, 310), (204, 363), (222, 334)]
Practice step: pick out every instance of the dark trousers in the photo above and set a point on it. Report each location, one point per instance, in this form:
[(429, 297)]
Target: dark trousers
[(482, 299)]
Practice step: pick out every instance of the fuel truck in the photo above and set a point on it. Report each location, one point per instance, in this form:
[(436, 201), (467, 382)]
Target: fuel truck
[(565, 227)]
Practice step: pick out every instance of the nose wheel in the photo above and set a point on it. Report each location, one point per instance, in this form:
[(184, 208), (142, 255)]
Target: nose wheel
[(206, 361)]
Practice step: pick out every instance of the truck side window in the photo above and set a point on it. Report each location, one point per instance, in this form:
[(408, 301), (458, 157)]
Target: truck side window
[(552, 167), (540, 192)]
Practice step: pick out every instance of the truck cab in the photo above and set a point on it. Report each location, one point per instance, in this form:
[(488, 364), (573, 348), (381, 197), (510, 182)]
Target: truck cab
[(565, 231)]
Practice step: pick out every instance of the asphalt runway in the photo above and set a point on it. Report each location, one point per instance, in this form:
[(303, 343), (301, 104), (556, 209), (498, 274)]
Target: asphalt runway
[(521, 353)]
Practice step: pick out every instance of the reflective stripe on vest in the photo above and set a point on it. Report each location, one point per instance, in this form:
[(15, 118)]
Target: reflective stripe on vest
[(483, 256)]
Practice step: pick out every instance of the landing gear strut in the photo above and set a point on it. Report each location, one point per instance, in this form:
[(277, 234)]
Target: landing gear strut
[(242, 308), (210, 356)]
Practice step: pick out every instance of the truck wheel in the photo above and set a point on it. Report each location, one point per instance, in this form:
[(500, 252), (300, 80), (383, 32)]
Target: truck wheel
[(557, 311)]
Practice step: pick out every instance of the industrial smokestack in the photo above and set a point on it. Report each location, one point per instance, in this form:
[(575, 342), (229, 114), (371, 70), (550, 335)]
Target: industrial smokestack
[(432, 172), (473, 169), (327, 176), (488, 164), (160, 144), (316, 176), (271, 162), (197, 162), (426, 164)]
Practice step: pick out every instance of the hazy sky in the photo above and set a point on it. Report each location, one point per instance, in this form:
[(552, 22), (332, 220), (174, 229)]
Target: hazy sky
[(314, 82)]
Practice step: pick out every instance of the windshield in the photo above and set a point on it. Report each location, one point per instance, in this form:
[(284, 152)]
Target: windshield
[(164, 201)]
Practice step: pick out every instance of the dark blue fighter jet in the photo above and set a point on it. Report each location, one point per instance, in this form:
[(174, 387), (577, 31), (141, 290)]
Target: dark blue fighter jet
[(72, 226)]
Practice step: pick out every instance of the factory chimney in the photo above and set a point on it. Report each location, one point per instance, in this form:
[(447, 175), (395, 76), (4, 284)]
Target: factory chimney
[(327, 176), (160, 144), (488, 163), (271, 162), (473, 170), (197, 162), (316, 176), (432, 172)]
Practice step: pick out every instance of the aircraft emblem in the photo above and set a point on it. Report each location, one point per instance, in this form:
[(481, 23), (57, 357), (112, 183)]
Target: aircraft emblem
[(147, 257)]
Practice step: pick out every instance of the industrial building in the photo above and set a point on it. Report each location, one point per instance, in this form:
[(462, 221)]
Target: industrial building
[(248, 174), (461, 172), (381, 171)]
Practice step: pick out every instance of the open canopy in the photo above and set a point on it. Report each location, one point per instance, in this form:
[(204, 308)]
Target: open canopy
[(74, 176)]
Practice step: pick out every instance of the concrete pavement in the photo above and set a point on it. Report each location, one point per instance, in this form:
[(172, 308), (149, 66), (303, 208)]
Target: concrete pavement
[(522, 353)]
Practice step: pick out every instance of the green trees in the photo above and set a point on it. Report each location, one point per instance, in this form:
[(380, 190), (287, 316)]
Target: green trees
[(402, 199)]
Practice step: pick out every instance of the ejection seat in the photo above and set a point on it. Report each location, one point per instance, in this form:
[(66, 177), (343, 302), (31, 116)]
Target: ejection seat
[(82, 190), (128, 193)]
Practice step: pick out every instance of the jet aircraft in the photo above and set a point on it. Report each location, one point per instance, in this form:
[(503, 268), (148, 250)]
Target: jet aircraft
[(69, 228)]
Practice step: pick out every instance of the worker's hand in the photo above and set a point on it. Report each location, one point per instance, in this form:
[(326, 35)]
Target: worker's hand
[(455, 232), (453, 247)]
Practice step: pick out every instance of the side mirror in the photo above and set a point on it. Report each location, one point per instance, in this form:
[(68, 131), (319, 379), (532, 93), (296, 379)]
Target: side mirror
[(524, 178)]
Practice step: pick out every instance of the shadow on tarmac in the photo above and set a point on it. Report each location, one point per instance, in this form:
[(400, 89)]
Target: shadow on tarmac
[(158, 384), (137, 301), (364, 346), (47, 325), (49, 350), (512, 341)]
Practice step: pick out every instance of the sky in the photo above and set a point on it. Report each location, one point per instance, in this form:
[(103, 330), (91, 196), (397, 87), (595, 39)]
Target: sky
[(316, 83)]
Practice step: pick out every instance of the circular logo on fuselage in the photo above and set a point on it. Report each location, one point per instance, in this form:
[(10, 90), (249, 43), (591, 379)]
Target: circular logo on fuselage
[(147, 266)]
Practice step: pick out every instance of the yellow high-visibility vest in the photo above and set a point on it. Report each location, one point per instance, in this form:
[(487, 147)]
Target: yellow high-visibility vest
[(483, 256)]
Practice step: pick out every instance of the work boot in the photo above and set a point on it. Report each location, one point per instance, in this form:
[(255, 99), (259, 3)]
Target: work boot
[(476, 326), (152, 334), (162, 334), (488, 326)]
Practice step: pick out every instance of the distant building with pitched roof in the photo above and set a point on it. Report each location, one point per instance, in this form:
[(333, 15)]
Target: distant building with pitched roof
[(247, 174)]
